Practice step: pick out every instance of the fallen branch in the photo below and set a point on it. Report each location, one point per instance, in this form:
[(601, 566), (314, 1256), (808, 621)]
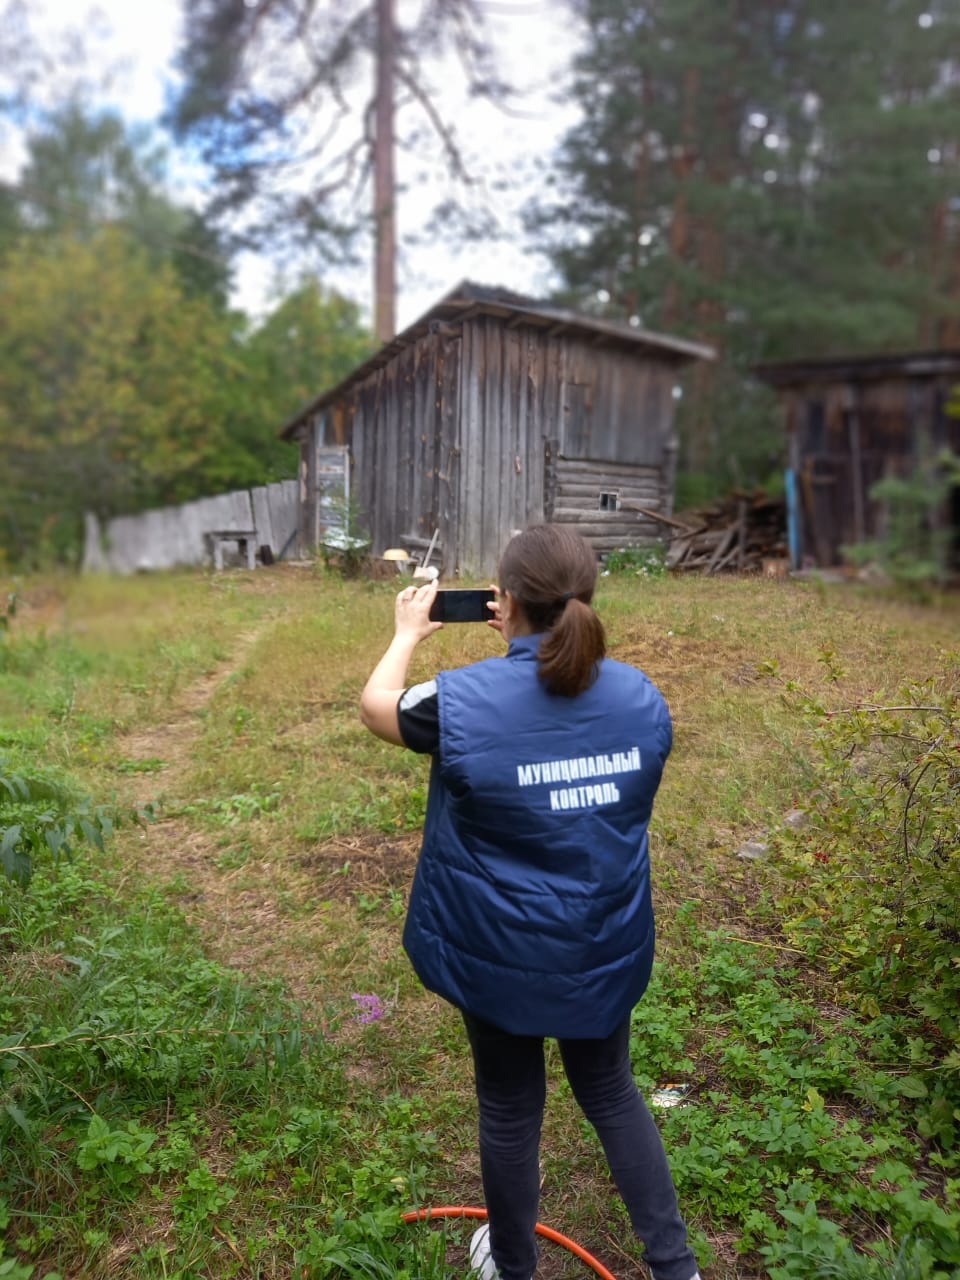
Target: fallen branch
[(658, 515)]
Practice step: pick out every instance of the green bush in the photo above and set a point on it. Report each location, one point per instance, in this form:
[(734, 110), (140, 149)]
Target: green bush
[(877, 868), (43, 817), (795, 1125), (638, 562), (916, 547), (121, 1048)]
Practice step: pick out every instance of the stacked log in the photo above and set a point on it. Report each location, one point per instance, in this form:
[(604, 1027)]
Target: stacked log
[(738, 534)]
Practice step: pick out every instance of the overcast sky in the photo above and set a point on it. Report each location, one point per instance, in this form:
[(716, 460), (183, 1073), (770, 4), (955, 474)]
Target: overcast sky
[(535, 39)]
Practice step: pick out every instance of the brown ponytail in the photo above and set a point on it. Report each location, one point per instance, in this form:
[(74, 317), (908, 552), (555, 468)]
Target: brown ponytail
[(551, 572)]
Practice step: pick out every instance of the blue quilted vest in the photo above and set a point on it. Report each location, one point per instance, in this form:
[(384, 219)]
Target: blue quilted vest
[(531, 903)]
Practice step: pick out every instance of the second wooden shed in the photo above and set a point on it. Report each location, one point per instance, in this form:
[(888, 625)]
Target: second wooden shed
[(851, 422), (490, 413)]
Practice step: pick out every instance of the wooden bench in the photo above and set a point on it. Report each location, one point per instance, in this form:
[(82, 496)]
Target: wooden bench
[(246, 540)]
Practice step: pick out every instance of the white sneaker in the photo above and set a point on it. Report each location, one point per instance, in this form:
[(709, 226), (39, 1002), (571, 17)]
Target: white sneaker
[(481, 1259)]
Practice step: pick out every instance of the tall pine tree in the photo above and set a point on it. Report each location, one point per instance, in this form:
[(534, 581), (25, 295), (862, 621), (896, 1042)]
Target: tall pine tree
[(271, 98), (779, 177)]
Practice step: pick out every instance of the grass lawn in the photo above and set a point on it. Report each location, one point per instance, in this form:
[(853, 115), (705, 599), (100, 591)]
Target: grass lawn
[(189, 1084)]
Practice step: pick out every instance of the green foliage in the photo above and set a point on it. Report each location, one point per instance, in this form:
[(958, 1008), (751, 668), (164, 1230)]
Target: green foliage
[(696, 489), (376, 1246), (9, 613), (231, 811), (812, 1245), (183, 1059), (151, 395), (877, 868), (637, 562), (202, 1198), (917, 546), (725, 182), (85, 169), (817, 1130), (121, 1152), (802, 1126), (44, 818), (127, 408), (310, 341), (111, 1001), (125, 383)]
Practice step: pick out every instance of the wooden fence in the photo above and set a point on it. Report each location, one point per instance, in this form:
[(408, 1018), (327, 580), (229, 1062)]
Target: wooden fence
[(175, 536)]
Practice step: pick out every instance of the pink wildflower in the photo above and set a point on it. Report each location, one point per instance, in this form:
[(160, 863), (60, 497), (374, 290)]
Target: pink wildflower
[(370, 1008)]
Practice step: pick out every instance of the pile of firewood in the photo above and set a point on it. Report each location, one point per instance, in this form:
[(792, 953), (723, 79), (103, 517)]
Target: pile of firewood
[(743, 533)]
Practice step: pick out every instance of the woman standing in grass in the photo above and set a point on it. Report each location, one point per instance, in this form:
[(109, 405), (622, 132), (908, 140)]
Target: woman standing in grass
[(531, 909)]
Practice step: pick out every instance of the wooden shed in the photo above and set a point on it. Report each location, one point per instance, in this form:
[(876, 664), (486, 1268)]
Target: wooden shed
[(489, 413), (852, 422)]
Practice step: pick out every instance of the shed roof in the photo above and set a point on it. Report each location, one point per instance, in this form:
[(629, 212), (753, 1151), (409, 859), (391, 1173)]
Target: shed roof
[(469, 299), (907, 365)]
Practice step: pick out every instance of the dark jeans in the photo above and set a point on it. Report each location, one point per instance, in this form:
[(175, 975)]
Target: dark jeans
[(511, 1092)]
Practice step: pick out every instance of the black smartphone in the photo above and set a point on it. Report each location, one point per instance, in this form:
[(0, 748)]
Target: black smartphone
[(462, 606)]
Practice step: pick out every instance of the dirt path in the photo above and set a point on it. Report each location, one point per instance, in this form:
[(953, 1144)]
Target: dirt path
[(172, 742), (174, 850), (243, 912)]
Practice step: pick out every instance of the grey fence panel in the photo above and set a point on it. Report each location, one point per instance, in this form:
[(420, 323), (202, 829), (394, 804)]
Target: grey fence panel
[(127, 545), (94, 553), (276, 516), (169, 537), (284, 500), (262, 517)]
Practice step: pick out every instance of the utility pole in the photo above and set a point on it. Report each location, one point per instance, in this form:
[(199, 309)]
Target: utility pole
[(385, 232)]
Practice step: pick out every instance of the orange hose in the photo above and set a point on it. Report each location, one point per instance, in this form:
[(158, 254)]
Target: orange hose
[(465, 1211)]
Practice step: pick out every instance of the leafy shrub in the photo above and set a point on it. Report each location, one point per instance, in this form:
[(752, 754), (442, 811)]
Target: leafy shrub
[(638, 562), (916, 545), (800, 1132), (812, 1245), (121, 1152), (119, 1046), (41, 816), (877, 868)]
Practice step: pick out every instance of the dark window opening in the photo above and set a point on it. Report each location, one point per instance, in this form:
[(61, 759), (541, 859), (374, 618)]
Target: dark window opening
[(609, 500), (816, 441)]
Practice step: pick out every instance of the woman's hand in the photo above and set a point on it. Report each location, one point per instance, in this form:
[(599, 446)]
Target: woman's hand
[(495, 620), (378, 702), (412, 612)]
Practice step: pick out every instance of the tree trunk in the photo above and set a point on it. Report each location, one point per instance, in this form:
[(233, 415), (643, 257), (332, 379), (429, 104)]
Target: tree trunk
[(684, 156), (384, 192)]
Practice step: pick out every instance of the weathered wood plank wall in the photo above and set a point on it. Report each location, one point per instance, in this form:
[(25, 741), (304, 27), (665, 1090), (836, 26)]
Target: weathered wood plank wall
[(403, 424), (507, 395), (491, 425), (578, 487), (845, 436), (617, 406), (541, 413), (447, 446)]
